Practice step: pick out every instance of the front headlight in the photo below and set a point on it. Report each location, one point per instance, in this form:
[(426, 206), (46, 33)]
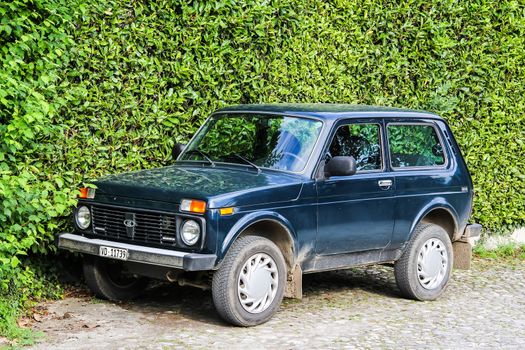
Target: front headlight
[(83, 217), (190, 232)]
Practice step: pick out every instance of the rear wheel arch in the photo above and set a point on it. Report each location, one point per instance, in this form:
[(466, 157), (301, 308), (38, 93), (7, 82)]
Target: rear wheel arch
[(442, 216)]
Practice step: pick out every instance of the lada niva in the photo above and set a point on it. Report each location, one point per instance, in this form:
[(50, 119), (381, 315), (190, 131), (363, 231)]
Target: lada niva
[(263, 194)]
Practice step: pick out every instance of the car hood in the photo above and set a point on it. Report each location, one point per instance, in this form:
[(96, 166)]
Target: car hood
[(218, 186)]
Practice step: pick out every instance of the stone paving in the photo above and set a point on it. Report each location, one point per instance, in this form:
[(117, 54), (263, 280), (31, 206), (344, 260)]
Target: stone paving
[(355, 309)]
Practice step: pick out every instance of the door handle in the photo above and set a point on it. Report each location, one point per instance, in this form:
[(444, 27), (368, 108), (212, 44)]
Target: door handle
[(385, 184)]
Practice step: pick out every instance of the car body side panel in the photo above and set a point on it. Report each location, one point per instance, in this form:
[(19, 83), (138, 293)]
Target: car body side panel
[(298, 217), (464, 207), (418, 191), (407, 221)]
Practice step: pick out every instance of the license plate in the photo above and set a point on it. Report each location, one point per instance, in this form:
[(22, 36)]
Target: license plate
[(115, 253)]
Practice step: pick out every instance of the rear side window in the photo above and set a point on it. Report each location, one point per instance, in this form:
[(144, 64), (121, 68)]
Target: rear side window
[(361, 141), (415, 145)]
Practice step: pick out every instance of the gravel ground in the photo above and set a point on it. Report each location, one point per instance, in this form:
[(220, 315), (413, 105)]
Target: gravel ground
[(360, 308)]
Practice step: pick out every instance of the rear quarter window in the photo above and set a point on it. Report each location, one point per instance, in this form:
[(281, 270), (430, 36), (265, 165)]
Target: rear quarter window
[(415, 145)]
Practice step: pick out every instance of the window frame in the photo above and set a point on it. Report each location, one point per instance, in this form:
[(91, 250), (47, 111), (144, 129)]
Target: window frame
[(415, 168), (381, 144)]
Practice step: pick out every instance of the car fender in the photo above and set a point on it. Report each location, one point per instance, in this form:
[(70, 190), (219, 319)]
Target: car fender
[(252, 218)]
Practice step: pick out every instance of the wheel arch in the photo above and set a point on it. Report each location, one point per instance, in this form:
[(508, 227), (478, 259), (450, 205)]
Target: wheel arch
[(440, 213), (270, 225)]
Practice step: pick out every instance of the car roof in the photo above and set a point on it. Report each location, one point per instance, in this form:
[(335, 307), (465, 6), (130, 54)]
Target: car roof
[(328, 110)]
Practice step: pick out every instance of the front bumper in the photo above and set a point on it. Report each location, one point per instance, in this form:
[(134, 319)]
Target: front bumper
[(140, 254)]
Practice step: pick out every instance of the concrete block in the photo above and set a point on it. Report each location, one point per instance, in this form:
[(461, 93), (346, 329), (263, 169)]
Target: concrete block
[(462, 255), (294, 284)]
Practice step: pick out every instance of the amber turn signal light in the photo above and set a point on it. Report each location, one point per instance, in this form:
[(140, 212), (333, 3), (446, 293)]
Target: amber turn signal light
[(226, 211), (86, 192)]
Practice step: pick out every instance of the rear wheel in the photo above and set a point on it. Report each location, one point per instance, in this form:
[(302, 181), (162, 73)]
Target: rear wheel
[(424, 269), (248, 288), (109, 279)]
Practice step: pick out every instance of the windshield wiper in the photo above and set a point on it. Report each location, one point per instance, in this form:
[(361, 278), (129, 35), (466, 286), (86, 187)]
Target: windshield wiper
[(204, 155), (248, 162)]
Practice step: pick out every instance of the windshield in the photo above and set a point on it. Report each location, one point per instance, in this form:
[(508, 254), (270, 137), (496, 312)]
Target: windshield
[(268, 141)]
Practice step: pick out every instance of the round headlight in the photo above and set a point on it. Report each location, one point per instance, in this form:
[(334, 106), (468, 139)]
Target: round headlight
[(83, 217), (190, 232)]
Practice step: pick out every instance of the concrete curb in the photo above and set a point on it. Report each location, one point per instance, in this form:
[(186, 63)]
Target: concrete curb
[(493, 242)]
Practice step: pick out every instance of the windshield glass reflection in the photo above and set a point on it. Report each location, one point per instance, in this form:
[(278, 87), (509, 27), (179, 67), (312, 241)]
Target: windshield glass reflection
[(266, 141)]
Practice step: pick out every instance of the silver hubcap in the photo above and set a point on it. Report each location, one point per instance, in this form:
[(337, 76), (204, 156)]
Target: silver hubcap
[(257, 283), (432, 263)]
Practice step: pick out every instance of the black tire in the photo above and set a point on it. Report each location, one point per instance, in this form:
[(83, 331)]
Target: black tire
[(409, 274), (108, 279), (225, 285)]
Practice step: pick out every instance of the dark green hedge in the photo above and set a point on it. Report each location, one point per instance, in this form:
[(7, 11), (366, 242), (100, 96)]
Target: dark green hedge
[(146, 74), (96, 87), (34, 183)]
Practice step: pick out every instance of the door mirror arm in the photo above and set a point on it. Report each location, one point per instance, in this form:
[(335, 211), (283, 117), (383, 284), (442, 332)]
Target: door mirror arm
[(178, 148)]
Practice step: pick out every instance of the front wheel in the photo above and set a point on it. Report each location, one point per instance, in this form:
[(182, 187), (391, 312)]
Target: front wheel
[(109, 279), (424, 269), (248, 288)]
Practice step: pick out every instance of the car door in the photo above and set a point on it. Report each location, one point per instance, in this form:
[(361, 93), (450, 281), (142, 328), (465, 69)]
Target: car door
[(356, 213)]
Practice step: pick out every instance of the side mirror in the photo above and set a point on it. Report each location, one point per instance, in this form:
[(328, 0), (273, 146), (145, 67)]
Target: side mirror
[(177, 150), (340, 166)]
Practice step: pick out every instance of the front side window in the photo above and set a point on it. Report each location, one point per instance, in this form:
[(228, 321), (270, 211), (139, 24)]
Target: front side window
[(269, 141), (414, 146), (361, 141)]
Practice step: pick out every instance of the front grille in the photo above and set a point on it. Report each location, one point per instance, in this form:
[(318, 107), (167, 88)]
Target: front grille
[(126, 224)]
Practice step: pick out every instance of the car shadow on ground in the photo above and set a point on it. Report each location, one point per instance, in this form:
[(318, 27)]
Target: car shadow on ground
[(374, 279), (174, 303)]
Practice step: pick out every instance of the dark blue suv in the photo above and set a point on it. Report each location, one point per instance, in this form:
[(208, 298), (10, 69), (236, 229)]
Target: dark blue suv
[(265, 193)]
